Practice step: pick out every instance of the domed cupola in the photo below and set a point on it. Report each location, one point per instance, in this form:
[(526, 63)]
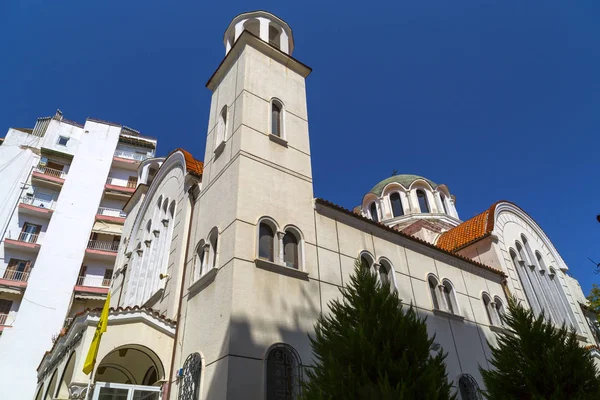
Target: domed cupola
[(411, 203), (263, 25)]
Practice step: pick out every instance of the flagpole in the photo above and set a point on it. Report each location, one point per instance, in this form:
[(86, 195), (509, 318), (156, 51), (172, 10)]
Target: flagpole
[(87, 393)]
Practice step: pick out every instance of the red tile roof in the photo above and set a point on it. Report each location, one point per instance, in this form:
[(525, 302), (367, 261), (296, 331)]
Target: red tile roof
[(414, 239), (193, 166), (469, 231)]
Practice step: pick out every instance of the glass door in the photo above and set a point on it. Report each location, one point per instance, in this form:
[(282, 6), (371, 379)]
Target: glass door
[(121, 391)]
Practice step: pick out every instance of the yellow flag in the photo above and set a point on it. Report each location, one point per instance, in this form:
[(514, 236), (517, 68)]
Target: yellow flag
[(90, 360)]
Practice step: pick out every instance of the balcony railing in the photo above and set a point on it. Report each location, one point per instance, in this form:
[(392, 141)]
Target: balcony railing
[(95, 281), (111, 212), (121, 182), (24, 237), (103, 245), (14, 275), (38, 202), (130, 155), (6, 320), (51, 172)]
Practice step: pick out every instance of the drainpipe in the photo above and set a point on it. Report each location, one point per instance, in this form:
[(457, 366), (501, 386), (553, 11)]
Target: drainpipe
[(24, 186), (192, 196)]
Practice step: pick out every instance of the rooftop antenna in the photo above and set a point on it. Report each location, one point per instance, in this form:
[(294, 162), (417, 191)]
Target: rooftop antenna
[(395, 172)]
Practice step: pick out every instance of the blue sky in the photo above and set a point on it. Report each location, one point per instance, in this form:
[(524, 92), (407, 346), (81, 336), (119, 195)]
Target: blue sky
[(496, 99)]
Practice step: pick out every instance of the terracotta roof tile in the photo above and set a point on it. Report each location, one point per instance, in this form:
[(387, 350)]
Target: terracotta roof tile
[(414, 239), (469, 231), (193, 166)]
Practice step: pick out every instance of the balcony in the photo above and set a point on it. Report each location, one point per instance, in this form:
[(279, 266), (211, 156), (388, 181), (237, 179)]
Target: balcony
[(111, 215), (102, 249), (120, 186), (92, 284), (13, 278), (6, 321), (38, 207), (23, 241), (49, 175)]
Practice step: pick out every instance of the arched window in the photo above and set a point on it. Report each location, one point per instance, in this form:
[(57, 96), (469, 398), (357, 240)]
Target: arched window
[(489, 309), (528, 250), (434, 291), (522, 254), (189, 387), (540, 261), (150, 377), (468, 388), (213, 239), (366, 261), (449, 297), (276, 118), (252, 26), (172, 209), (443, 199), (291, 250), (159, 202), (149, 226), (373, 212), (165, 205), (423, 203), (199, 260), (385, 274), (499, 305), (274, 36), (397, 209), (266, 242), (284, 373), (221, 127), (525, 281)]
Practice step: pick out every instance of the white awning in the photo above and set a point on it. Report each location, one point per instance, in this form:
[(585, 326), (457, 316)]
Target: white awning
[(89, 297), (8, 290), (107, 227)]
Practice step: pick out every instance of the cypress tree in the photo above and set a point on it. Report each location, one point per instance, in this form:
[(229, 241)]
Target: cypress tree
[(536, 360), (369, 347)]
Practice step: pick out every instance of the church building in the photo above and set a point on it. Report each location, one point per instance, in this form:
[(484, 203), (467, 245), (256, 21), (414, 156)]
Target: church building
[(224, 266)]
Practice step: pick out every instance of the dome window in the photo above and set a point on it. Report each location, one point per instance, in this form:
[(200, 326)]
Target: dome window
[(423, 203), (373, 212), (397, 208)]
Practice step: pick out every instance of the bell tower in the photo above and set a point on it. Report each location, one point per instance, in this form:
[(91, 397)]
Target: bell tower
[(257, 167)]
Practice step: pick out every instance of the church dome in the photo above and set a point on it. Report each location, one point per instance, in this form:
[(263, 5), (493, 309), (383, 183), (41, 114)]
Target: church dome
[(405, 180)]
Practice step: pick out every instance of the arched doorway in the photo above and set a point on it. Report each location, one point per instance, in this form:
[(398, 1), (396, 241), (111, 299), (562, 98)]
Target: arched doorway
[(66, 378), (132, 365)]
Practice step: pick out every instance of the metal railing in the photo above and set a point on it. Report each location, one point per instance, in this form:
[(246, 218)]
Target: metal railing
[(130, 155), (38, 202), (103, 245), (14, 275), (6, 320), (24, 237), (111, 212), (51, 172), (94, 281)]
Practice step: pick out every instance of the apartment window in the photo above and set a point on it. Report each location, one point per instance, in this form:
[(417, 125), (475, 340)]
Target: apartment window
[(397, 208), (132, 182), (423, 203), (17, 270), (284, 373), (30, 233), (266, 242), (5, 306), (63, 140)]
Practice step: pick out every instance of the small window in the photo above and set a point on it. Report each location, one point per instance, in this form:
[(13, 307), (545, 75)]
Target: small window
[(290, 250), (274, 36), (468, 388), (366, 261), (284, 373), (385, 274), (159, 202), (433, 290), (490, 309), (373, 212), (199, 261), (397, 208), (221, 127), (214, 241), (276, 118), (423, 203), (63, 140), (165, 205), (149, 226), (499, 306), (266, 242)]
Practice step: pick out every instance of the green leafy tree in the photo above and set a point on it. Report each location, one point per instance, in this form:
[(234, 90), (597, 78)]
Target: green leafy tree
[(594, 299), (368, 347), (536, 360)]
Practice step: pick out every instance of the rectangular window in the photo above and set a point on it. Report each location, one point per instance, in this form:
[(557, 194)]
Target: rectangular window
[(63, 140), (56, 166), (17, 270), (5, 306), (30, 233)]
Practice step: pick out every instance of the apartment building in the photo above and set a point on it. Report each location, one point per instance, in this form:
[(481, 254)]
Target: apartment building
[(63, 186)]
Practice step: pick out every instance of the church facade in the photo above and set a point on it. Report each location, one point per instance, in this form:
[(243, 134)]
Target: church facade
[(225, 265)]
